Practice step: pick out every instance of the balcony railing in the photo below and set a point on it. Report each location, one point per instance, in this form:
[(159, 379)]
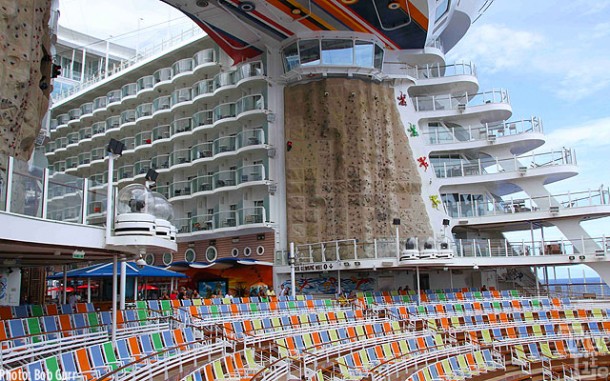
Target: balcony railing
[(457, 102), (223, 219), (519, 164), (146, 82), (447, 135), (554, 204)]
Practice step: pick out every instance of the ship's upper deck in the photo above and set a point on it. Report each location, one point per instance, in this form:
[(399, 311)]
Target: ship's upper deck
[(244, 29)]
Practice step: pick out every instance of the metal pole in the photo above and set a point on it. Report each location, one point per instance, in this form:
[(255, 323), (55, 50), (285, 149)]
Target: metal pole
[(417, 281), (569, 282), (293, 281), (135, 289), (584, 279), (537, 281), (65, 283), (338, 281), (114, 298), (397, 242), (546, 281), (109, 196), (123, 282), (88, 290)]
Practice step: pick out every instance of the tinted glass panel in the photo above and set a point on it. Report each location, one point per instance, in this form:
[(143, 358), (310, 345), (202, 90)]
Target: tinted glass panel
[(337, 52)]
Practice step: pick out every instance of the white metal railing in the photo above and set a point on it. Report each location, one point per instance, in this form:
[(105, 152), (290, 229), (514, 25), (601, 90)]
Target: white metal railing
[(487, 131), (458, 102), (311, 255), (486, 166), (490, 206), (142, 55)]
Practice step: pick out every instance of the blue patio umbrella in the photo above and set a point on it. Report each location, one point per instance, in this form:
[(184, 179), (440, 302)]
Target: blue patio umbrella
[(105, 270)]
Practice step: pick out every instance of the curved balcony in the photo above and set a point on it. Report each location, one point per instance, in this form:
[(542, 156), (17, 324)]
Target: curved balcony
[(223, 111), (224, 144), (183, 66), (85, 133), (49, 148), (182, 156), (202, 150), (437, 78), (487, 209), (548, 165), (181, 125), (145, 83), (228, 219), (129, 142), (98, 181), (179, 188), (61, 144), (203, 118), (100, 103), (466, 137), (71, 164), (162, 104), (113, 97), (114, 122), (141, 167), (203, 57), (143, 139), (98, 154), (494, 104), (62, 120), (163, 78), (161, 132), (144, 110), (74, 114), (53, 123), (128, 116), (125, 172), (86, 109), (250, 137), (98, 129), (224, 79), (181, 96), (203, 88), (59, 166), (254, 102), (160, 162), (73, 138), (129, 91), (84, 159)]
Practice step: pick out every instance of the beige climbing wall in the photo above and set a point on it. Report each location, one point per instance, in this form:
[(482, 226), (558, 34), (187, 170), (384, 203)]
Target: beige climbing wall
[(25, 33), (350, 171)]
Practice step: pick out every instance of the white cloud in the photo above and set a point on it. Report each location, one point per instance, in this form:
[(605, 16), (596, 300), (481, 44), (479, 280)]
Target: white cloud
[(497, 47), (592, 134), (572, 67)]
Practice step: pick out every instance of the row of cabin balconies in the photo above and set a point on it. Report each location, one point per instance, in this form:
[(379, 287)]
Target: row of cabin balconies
[(222, 220), (459, 102), (488, 131), (203, 119), (487, 205), (129, 93), (204, 152), (487, 166), (254, 174)]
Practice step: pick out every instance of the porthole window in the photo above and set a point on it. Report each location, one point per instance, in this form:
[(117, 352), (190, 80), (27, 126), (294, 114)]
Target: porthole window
[(247, 251), (211, 254), (260, 250), (234, 252), (190, 255), (168, 258), (149, 258)]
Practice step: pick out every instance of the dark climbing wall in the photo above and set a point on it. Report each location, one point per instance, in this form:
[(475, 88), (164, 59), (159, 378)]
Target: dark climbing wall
[(23, 104), (350, 171)]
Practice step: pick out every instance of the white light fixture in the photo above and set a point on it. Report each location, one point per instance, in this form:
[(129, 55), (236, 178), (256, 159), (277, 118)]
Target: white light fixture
[(475, 267), (141, 262)]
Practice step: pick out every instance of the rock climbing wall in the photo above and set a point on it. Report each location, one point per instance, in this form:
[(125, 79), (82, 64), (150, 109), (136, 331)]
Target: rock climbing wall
[(24, 40), (350, 171)]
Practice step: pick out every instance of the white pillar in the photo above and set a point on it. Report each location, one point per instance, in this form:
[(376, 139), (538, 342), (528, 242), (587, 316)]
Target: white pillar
[(417, 285), (135, 289), (65, 284), (83, 67), (114, 298), (88, 290), (123, 283), (292, 259), (451, 277)]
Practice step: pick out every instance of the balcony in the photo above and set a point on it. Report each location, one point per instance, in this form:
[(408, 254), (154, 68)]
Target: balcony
[(160, 162), (98, 154), (141, 167), (204, 56), (181, 95), (128, 116), (145, 83), (100, 103), (224, 144), (114, 122), (130, 143), (85, 133), (202, 150), (161, 132), (180, 188), (162, 104), (447, 135), (129, 90), (494, 102), (144, 110), (203, 118), (181, 125), (143, 138), (114, 97), (179, 157), (561, 204), (74, 114), (202, 88), (489, 166), (126, 172), (73, 138), (163, 77), (98, 128), (86, 109)]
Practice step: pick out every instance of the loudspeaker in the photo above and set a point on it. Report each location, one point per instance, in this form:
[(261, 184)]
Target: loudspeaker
[(446, 222)]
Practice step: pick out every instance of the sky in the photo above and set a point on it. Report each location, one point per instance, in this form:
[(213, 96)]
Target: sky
[(551, 56)]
